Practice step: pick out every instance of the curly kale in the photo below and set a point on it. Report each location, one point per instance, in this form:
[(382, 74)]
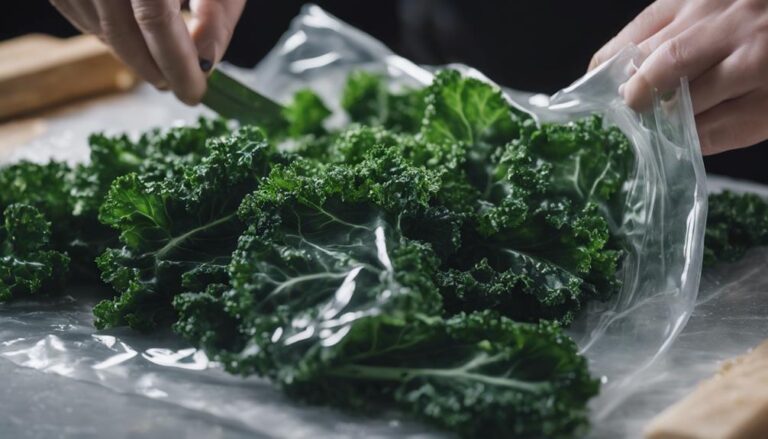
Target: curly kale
[(45, 187), (462, 372), (367, 100), (329, 299), (393, 263), (735, 223), (426, 256), (28, 265), (306, 114), (159, 153), (179, 227)]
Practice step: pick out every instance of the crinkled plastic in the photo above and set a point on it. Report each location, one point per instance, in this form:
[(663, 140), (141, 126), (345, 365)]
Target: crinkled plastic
[(662, 221), (728, 320), (664, 210)]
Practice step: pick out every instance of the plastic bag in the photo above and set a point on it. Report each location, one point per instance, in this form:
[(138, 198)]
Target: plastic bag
[(664, 212), (728, 321), (662, 220)]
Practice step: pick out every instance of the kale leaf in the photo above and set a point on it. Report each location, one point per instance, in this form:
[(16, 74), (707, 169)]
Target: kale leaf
[(306, 114), (331, 301), (735, 223), (174, 228), (426, 256), (368, 100), (28, 265)]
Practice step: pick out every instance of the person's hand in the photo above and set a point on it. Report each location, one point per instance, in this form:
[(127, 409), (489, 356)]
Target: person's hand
[(722, 47), (152, 38)]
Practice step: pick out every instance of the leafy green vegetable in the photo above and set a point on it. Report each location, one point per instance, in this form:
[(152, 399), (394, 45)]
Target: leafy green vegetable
[(387, 262), (330, 300), (463, 372), (426, 256), (157, 153), (70, 197), (306, 114), (735, 223), (28, 266), (367, 100), (45, 187), (175, 228), (467, 110)]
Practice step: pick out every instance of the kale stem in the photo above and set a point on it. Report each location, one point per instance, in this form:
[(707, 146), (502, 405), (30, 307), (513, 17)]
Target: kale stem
[(403, 374)]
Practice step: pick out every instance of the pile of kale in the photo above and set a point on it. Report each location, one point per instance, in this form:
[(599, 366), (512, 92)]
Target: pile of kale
[(426, 256)]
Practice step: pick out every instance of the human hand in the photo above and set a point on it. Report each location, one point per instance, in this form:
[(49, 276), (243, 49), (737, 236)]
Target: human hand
[(722, 47), (151, 37)]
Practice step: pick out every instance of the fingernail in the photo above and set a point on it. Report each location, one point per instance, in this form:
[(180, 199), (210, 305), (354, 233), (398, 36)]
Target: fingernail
[(206, 65), (621, 90)]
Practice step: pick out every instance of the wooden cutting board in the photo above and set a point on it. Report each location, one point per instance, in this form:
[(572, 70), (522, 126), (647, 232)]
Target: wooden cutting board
[(40, 72), (731, 405)]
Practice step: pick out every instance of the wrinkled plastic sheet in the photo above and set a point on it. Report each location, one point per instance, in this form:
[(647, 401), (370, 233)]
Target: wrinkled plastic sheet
[(38, 398), (624, 339), (728, 321)]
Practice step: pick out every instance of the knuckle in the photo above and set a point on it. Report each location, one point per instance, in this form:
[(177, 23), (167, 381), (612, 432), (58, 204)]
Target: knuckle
[(754, 7), (108, 30), (649, 16), (749, 64), (760, 26), (218, 20), (675, 55), (153, 14), (755, 64)]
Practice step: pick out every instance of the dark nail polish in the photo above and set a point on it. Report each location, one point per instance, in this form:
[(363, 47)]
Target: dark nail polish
[(206, 65)]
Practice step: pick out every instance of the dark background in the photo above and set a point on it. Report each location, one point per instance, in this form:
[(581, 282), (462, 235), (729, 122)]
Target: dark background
[(539, 46)]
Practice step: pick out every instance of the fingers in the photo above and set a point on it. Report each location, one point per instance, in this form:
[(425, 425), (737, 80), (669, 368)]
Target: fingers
[(653, 19), (688, 55), (736, 123), (736, 76), (119, 30), (87, 15), (213, 24), (659, 38), (171, 46), (150, 36), (69, 10)]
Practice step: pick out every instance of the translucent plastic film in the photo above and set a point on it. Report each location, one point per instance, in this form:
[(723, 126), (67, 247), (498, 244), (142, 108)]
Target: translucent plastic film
[(661, 218)]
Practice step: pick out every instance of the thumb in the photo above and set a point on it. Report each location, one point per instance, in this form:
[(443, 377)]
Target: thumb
[(212, 25)]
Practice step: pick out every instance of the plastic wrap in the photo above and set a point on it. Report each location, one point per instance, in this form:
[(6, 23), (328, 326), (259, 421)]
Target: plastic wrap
[(663, 213), (661, 219), (728, 321)]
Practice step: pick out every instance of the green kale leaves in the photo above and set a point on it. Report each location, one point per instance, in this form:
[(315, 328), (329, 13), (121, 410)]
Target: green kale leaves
[(28, 264), (425, 256)]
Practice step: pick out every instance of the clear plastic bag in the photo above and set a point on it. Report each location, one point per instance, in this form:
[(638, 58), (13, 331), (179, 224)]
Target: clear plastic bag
[(662, 221), (664, 212), (728, 321)]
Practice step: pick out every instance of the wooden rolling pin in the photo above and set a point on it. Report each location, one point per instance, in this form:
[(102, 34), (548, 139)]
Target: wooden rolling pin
[(40, 71), (731, 405)]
